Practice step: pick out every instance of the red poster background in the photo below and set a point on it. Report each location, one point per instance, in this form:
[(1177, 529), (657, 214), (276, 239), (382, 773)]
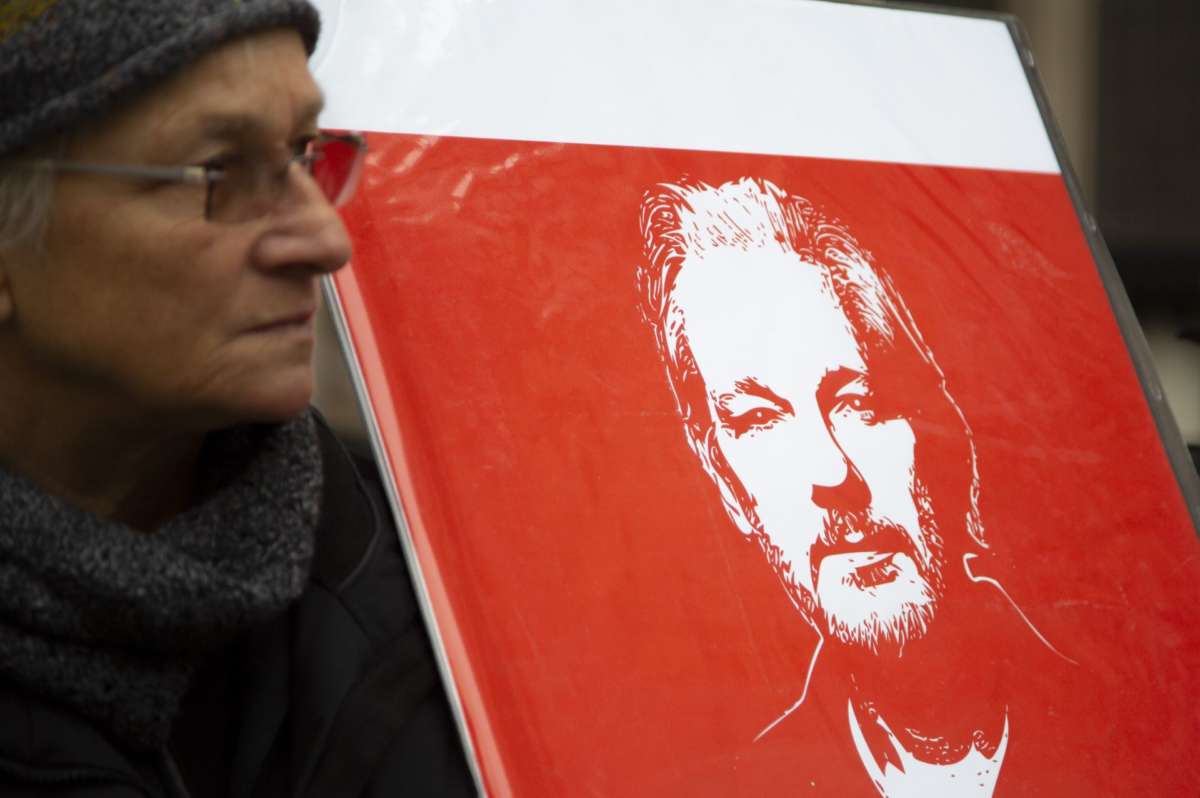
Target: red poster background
[(610, 631)]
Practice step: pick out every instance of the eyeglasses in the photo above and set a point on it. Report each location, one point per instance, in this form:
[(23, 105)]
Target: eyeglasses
[(241, 188)]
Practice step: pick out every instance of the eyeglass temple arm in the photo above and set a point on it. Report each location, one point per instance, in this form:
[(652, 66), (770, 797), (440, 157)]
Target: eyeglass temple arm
[(175, 174)]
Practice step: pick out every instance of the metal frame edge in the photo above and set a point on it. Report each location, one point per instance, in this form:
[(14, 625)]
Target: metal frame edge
[(1131, 329)]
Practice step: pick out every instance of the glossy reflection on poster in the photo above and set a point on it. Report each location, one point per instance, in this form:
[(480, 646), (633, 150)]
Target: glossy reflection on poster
[(744, 460)]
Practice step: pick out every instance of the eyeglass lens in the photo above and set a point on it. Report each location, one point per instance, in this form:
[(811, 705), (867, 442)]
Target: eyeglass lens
[(249, 189), (335, 167)]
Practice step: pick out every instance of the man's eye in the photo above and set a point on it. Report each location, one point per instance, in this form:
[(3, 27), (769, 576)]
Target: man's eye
[(855, 401), (754, 420), (225, 163), (862, 404)]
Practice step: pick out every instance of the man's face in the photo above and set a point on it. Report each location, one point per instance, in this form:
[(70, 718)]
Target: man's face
[(139, 301), (830, 475)]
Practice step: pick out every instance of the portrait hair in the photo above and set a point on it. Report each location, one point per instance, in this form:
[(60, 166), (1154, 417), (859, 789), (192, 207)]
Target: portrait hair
[(687, 218)]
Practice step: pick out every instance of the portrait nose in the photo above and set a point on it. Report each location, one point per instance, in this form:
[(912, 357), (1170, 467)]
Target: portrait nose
[(837, 483), (306, 230), (851, 493)]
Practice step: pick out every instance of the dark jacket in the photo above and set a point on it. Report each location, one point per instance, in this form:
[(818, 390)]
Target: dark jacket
[(338, 697)]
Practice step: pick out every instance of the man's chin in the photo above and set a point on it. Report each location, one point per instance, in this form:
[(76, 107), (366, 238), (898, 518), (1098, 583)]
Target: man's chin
[(875, 602)]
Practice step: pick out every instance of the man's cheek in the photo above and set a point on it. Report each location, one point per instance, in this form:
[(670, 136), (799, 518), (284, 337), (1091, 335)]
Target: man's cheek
[(929, 537), (792, 524), (884, 454)]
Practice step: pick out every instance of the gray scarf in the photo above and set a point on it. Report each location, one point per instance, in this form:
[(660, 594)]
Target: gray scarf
[(112, 623)]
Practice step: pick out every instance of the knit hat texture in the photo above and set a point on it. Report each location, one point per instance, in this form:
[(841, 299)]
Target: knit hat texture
[(63, 61)]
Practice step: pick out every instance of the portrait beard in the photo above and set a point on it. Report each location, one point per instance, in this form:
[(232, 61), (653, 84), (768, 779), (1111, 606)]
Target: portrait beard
[(878, 605)]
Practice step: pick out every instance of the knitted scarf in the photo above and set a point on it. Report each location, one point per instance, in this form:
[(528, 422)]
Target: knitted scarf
[(112, 623)]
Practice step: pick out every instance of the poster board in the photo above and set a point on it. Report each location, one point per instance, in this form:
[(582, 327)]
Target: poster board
[(689, 519)]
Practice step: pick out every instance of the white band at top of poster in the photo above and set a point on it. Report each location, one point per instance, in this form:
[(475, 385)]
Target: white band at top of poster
[(787, 77)]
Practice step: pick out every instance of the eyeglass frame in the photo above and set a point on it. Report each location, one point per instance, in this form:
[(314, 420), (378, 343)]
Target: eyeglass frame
[(209, 175)]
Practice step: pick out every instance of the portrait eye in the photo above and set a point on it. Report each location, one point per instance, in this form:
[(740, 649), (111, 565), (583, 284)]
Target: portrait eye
[(855, 398), (855, 401), (741, 417)]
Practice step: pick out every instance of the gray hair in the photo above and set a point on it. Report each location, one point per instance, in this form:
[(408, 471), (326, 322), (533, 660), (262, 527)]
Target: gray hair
[(25, 199)]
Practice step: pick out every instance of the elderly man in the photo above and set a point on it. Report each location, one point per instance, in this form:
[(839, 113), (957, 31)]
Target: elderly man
[(812, 402), (199, 591)]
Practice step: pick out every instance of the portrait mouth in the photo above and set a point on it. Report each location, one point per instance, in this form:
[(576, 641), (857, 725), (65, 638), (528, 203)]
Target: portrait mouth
[(871, 569), (862, 555), (869, 582)]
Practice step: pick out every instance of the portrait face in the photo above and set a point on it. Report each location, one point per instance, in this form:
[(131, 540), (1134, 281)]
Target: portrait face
[(825, 465), (139, 302)]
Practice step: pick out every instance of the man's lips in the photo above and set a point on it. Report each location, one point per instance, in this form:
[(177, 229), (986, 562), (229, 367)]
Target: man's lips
[(862, 559), (873, 546), (295, 320), (861, 569), (878, 538)]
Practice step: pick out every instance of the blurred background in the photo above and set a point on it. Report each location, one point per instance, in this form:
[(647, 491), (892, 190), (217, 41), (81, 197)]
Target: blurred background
[(1123, 79)]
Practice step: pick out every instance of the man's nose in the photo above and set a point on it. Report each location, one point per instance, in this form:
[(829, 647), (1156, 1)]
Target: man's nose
[(851, 493), (306, 230), (836, 482)]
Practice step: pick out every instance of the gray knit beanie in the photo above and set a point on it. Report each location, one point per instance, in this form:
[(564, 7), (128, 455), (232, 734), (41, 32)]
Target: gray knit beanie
[(62, 61)]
